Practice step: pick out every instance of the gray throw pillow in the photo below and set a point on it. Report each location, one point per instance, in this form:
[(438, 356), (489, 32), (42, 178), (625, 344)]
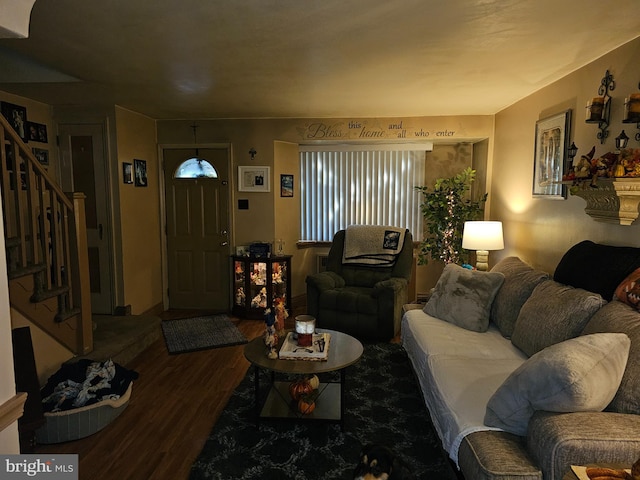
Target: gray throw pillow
[(463, 297), (578, 375), (619, 317), (519, 281), (553, 313)]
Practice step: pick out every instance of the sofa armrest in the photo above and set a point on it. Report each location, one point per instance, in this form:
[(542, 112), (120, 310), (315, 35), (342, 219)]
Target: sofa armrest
[(325, 280), (558, 440)]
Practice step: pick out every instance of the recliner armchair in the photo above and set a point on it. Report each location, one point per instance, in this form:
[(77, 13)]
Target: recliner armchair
[(361, 300)]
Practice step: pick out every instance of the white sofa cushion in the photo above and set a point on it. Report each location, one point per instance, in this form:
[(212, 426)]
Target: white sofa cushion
[(436, 337), (458, 371), (579, 375)]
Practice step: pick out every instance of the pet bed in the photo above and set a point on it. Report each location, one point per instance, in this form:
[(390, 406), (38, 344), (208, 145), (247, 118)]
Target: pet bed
[(82, 398), (81, 422)]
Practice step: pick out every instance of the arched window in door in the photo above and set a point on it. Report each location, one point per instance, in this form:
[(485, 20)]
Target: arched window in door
[(195, 168)]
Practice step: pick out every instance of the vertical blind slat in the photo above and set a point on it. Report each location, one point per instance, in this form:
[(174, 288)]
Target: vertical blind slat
[(342, 188)]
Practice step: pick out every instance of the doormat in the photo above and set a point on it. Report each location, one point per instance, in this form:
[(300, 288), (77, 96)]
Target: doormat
[(200, 333)]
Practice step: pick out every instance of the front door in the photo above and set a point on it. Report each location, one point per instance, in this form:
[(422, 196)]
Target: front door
[(197, 211), (83, 169)]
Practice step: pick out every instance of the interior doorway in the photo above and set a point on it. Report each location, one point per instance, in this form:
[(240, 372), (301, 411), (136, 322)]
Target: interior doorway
[(197, 216), (83, 169)]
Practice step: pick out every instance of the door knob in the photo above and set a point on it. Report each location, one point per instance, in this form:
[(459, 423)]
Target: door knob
[(224, 244)]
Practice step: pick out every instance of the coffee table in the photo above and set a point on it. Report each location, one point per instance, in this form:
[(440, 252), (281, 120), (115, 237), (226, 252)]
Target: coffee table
[(344, 350)]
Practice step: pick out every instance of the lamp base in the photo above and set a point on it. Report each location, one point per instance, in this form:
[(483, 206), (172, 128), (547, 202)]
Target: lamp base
[(482, 260)]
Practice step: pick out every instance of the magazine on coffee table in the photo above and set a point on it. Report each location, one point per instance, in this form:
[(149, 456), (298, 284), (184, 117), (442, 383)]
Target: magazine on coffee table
[(318, 350)]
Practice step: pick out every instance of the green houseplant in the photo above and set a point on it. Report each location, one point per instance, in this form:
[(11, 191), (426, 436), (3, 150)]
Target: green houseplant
[(445, 208)]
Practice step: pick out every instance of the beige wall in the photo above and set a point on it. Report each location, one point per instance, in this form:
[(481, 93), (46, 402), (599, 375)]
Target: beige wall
[(540, 230), (287, 213), (139, 213), (269, 216)]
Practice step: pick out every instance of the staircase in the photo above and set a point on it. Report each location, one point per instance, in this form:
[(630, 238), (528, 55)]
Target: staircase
[(46, 246)]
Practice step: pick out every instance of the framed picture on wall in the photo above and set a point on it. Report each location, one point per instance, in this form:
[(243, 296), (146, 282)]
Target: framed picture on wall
[(17, 118), (37, 132), (286, 185), (127, 173), (552, 142), (42, 155), (254, 179), (140, 172)]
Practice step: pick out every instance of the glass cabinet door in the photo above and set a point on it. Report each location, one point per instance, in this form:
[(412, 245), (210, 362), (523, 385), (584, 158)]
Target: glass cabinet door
[(239, 298), (260, 283)]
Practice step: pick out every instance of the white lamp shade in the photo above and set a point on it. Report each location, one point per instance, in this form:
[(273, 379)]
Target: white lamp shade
[(482, 236)]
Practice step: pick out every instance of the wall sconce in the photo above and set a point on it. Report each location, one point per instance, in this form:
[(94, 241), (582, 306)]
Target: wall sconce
[(599, 108), (632, 111), (252, 152), (569, 173), (621, 141), (482, 237), (572, 151)]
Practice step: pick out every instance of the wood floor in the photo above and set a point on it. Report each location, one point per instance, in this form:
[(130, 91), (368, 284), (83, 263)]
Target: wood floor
[(174, 404)]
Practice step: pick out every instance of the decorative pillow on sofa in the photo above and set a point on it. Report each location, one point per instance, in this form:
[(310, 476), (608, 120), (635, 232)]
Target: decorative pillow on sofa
[(619, 317), (629, 290), (578, 375), (463, 297), (519, 281), (553, 313)]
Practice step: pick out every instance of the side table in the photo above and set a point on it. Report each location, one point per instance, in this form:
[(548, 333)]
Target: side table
[(344, 350)]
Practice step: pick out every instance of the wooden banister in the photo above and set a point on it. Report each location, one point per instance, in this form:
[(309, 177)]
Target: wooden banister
[(46, 237)]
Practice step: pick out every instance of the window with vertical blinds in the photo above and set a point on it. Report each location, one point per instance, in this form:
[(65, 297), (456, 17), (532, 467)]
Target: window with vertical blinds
[(367, 185)]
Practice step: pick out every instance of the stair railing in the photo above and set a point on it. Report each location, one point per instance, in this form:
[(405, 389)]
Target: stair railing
[(45, 236)]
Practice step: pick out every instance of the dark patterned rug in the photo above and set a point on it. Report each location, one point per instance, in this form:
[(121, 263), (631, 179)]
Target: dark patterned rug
[(200, 333), (383, 406)]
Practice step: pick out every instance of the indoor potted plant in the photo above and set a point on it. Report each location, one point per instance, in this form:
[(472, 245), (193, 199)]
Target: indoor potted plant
[(445, 208)]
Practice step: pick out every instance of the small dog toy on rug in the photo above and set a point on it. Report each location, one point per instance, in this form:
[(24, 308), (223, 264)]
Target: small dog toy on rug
[(380, 463)]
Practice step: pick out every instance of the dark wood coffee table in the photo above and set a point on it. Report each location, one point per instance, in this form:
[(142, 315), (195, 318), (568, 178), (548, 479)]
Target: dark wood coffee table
[(344, 350)]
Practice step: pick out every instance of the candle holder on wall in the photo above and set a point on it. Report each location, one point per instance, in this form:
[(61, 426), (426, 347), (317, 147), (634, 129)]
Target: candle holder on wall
[(599, 108), (632, 111)]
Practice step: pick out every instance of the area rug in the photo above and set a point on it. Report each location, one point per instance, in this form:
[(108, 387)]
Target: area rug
[(383, 406), (200, 333)]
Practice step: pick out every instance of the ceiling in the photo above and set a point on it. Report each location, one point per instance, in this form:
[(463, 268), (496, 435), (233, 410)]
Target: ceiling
[(304, 58)]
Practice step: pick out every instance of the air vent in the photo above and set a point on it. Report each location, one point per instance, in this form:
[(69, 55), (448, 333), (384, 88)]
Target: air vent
[(321, 262)]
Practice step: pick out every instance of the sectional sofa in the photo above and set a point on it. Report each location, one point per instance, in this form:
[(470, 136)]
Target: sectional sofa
[(524, 373)]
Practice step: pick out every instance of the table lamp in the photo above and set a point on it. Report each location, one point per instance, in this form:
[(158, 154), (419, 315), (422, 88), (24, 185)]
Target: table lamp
[(482, 237)]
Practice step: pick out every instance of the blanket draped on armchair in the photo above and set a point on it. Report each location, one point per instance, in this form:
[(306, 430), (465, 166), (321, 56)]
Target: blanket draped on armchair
[(373, 245)]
